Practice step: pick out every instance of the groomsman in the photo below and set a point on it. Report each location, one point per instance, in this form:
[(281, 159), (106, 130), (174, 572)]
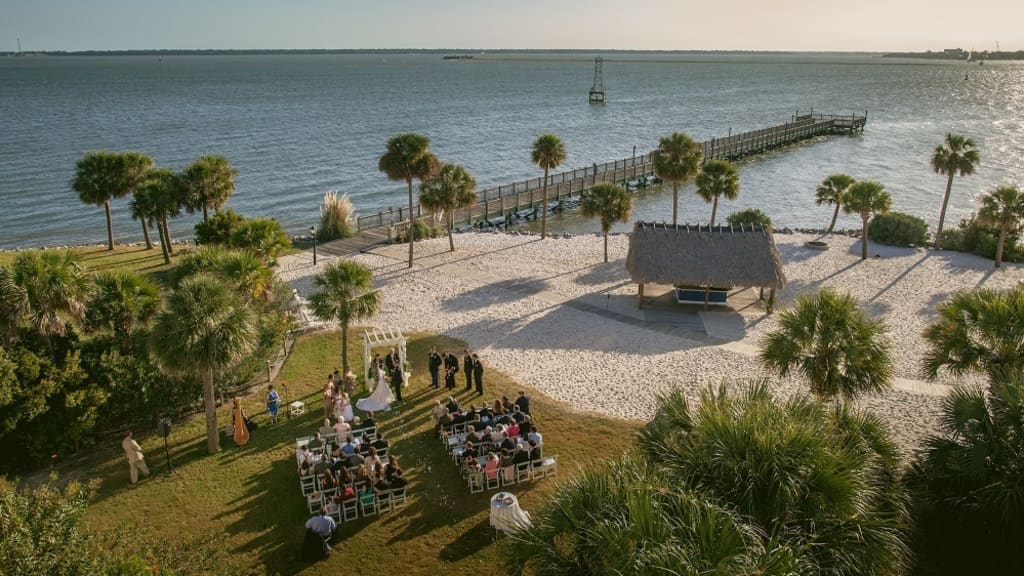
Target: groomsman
[(434, 363), (478, 375), (467, 367), (396, 383), (391, 361)]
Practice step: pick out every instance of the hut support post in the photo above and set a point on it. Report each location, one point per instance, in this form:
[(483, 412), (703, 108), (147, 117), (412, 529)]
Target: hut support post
[(760, 295), (771, 301), (640, 297), (707, 294)]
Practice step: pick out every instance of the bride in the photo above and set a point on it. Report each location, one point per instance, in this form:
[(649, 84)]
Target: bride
[(381, 398)]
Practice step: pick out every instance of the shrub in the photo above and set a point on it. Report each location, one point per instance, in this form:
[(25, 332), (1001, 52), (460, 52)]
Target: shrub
[(421, 230), (974, 238), (898, 229), (336, 217), (217, 229), (749, 217), (265, 236)]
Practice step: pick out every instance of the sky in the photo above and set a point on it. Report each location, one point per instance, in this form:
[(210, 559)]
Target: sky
[(801, 25)]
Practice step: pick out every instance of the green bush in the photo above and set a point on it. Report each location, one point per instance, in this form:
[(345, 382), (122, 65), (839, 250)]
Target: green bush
[(749, 217), (336, 217), (265, 236), (421, 230), (218, 228), (898, 229), (974, 238)]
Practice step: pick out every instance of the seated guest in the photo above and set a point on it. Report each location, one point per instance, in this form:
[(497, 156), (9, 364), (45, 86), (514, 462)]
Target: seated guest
[(335, 451), (398, 481), (342, 429), (349, 447), (469, 451), (523, 401), (491, 468), (366, 495), (316, 443), (326, 428), (471, 435), (535, 451), (521, 455), (438, 410), (509, 443), (506, 464), (364, 447), (506, 404), (470, 466), (486, 415), (343, 474), (459, 418), (535, 437), (445, 421), (355, 460), (372, 460), (306, 468), (488, 435), (328, 480), (517, 414), (452, 405), (392, 467), (381, 484), (380, 443), (497, 408), (525, 427), (369, 421), (303, 454), (346, 493), (472, 413), (512, 430)]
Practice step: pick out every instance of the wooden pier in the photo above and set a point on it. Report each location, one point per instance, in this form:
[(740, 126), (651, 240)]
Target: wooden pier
[(498, 201)]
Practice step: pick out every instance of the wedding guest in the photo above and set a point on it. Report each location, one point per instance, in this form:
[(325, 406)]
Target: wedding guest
[(521, 455), (492, 466), (323, 525), (523, 401), (349, 447), (327, 480), (355, 460), (471, 435), (342, 428), (535, 453), (398, 480), (497, 408), (369, 421), (434, 365), (380, 443), (488, 435), (535, 437), (512, 430), (453, 405), (445, 421), (316, 443), (344, 476), (467, 368), (392, 467), (326, 428), (506, 404), (381, 484), (507, 465), (136, 460), (469, 452), (372, 460), (478, 375), (525, 427), (273, 403), (517, 414), (438, 410), (508, 443), (306, 468), (335, 451), (329, 397)]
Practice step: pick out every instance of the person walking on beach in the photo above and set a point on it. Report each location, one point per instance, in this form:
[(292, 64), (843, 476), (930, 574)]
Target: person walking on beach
[(478, 375), (434, 363), (136, 463), (467, 367)]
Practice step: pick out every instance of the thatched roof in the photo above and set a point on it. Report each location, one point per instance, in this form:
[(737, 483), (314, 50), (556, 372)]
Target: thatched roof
[(718, 257)]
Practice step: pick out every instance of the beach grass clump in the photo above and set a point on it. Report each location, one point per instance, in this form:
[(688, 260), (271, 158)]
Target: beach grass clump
[(336, 217), (898, 229), (751, 217)]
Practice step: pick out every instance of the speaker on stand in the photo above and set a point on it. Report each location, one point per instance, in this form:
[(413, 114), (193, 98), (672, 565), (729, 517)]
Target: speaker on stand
[(163, 428)]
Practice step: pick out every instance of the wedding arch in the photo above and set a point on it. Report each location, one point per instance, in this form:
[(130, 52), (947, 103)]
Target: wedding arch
[(382, 338)]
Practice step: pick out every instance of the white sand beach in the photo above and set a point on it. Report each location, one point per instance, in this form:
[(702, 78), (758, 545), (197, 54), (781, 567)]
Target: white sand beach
[(551, 314)]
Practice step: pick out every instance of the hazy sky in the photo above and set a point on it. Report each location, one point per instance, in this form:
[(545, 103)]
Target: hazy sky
[(872, 25)]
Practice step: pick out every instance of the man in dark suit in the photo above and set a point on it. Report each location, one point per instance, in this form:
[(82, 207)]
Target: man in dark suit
[(467, 367), (523, 401), (452, 405), (391, 361), (521, 455), (434, 364), (535, 453), (396, 382), (478, 375)]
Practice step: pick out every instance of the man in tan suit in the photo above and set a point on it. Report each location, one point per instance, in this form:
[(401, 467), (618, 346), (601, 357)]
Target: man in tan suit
[(135, 458)]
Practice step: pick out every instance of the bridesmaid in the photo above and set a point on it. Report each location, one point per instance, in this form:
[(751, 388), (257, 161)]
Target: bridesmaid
[(240, 429), (329, 397)]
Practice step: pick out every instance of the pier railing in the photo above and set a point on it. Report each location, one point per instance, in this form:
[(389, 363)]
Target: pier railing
[(527, 193)]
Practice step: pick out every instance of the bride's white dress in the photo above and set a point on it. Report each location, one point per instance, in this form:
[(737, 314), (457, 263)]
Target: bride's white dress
[(381, 398)]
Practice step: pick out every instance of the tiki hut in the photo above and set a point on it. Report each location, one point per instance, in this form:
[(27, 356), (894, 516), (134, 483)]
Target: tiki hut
[(703, 263)]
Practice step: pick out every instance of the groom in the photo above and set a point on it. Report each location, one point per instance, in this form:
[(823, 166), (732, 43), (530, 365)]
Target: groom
[(396, 382)]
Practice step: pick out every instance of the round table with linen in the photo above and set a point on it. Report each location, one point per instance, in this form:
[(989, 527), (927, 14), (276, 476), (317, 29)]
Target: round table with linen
[(506, 515)]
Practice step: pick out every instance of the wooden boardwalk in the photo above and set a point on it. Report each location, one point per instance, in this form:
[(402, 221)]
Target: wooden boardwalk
[(523, 196)]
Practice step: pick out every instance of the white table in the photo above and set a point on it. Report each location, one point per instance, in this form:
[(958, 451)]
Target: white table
[(506, 515)]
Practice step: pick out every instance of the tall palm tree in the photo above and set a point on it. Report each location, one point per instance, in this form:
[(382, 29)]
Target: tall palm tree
[(207, 184), (966, 483), (164, 194), (609, 202), (829, 340), (204, 329), (548, 153), (143, 208), (102, 176), (717, 178), (977, 331), (344, 292), (122, 302), (451, 189), (248, 270), (53, 290), (677, 160), (957, 155), (867, 199), (832, 191), (408, 157), (1002, 208), (14, 308)]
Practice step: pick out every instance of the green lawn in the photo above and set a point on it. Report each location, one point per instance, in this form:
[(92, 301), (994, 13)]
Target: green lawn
[(134, 258), (245, 505)]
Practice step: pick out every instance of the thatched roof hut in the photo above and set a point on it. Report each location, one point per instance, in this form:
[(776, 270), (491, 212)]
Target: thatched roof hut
[(705, 257)]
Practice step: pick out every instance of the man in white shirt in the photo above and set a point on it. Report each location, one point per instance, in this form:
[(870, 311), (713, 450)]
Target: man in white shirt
[(323, 525), (136, 463), (535, 437)]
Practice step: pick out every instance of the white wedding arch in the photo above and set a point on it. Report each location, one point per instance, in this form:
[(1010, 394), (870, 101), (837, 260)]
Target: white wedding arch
[(383, 338)]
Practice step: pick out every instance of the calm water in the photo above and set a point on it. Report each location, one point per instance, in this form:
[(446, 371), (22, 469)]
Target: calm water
[(296, 126)]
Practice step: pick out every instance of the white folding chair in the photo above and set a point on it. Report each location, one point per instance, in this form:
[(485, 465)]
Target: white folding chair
[(550, 466), (369, 508), (314, 502), (384, 501), (493, 482), (350, 509), (508, 475), (333, 510), (308, 484), (476, 482), (397, 498), (522, 471), (536, 469)]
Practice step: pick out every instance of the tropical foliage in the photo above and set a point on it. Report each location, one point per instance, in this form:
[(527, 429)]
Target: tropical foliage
[(264, 236), (100, 177), (717, 178), (830, 192), (408, 157), (336, 216), (610, 203), (219, 228), (122, 302), (977, 331), (207, 184), (830, 341), (451, 189), (898, 229), (866, 199), (974, 237), (1002, 208), (677, 160), (738, 484), (161, 195), (548, 153), (343, 292), (45, 290), (749, 218), (956, 155)]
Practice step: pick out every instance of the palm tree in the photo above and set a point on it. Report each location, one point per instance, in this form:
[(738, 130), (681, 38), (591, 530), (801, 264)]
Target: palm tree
[(102, 176), (204, 329), (832, 191), (717, 178), (53, 289), (978, 330), (451, 189), (866, 198), (344, 293), (548, 153), (143, 207), (609, 202), (164, 195), (957, 155), (1003, 208), (833, 343), (677, 160), (408, 157), (122, 302), (249, 271), (966, 483), (265, 236), (14, 308), (207, 183)]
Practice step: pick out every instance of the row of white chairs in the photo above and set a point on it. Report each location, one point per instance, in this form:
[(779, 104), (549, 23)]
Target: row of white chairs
[(357, 507), (510, 475)]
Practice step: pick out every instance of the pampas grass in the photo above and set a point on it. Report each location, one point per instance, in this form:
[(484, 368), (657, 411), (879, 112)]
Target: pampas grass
[(336, 216)]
